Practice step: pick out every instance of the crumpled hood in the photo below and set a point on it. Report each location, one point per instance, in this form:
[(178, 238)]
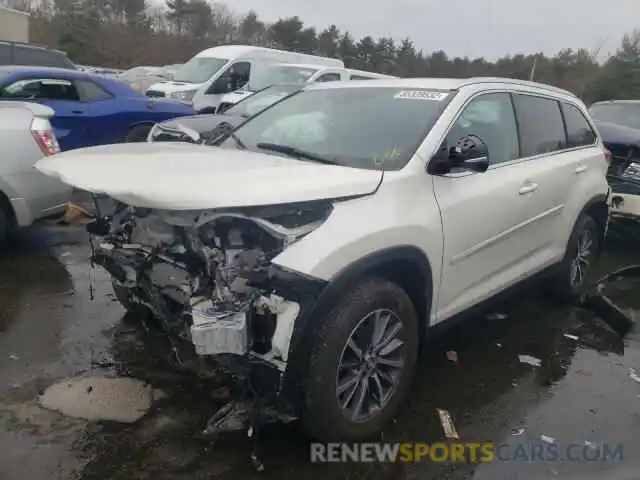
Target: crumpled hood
[(183, 176), (618, 134)]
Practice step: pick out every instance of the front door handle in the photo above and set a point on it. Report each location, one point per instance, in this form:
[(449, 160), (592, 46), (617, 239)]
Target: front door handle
[(528, 188), (77, 112), (581, 169)]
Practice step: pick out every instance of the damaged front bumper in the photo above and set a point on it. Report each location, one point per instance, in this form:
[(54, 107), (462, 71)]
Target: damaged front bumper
[(209, 280)]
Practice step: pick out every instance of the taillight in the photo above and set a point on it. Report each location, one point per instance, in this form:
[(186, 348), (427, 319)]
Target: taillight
[(608, 156), (46, 140)]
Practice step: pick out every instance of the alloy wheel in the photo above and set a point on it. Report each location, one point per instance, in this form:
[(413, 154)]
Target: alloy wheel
[(581, 261), (370, 365)]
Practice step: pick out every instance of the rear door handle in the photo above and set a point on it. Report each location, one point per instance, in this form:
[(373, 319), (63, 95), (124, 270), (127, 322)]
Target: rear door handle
[(528, 188), (77, 112), (581, 169)]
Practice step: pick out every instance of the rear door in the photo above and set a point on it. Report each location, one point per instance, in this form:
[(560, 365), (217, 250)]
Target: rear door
[(485, 216), (552, 164)]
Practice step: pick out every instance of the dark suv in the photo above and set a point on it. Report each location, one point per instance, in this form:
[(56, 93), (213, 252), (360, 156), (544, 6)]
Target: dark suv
[(19, 53)]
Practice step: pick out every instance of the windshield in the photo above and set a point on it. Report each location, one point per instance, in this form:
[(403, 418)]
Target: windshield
[(280, 75), (626, 114), (199, 69), (257, 102), (367, 127)]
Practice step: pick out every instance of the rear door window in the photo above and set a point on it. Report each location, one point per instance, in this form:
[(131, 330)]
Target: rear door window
[(91, 92), (329, 77), (40, 57), (579, 132), (541, 125)]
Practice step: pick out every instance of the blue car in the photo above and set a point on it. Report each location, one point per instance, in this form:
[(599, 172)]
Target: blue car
[(90, 109)]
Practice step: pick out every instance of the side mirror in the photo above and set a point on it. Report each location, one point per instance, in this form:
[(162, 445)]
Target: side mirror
[(469, 153)]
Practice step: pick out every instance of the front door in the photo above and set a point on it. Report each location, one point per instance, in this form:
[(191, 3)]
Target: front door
[(485, 216)]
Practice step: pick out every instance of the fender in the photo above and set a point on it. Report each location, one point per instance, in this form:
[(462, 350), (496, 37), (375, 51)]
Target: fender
[(599, 199), (327, 295)]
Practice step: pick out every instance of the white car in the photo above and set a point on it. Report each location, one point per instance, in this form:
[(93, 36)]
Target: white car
[(322, 254), (26, 194)]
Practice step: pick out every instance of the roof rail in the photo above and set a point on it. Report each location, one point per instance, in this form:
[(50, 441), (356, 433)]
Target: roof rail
[(517, 81)]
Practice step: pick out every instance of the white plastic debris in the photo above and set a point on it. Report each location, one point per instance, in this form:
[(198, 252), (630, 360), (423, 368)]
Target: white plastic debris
[(452, 356), (633, 375), (571, 337), (546, 439), (14, 357), (495, 316), (516, 432), (447, 424), (590, 444), (529, 360)]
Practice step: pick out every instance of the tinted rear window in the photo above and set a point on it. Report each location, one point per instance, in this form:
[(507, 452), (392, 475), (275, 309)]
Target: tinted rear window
[(579, 132), (40, 57)]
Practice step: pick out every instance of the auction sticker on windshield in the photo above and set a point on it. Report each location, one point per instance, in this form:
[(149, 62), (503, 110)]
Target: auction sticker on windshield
[(421, 95)]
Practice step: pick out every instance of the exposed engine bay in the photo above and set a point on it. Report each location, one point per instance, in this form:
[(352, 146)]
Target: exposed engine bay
[(207, 275)]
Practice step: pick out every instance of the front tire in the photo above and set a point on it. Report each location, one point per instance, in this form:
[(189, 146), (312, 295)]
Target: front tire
[(571, 279), (138, 134), (362, 360), (123, 296)]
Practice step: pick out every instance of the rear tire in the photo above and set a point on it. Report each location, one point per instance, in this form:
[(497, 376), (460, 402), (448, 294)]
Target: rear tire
[(571, 278), (138, 134), (7, 224), (330, 409)]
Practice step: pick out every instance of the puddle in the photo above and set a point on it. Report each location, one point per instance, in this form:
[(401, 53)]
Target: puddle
[(124, 400)]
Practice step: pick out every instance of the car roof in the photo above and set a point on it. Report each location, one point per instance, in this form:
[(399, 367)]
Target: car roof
[(29, 69), (438, 84), (301, 65), (629, 102)]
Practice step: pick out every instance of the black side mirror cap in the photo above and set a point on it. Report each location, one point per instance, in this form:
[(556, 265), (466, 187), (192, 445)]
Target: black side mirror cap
[(469, 153)]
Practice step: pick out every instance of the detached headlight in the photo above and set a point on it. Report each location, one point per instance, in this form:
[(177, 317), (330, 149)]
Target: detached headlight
[(184, 95)]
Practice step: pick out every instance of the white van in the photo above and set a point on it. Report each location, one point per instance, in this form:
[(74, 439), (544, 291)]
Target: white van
[(283, 74), (223, 69)]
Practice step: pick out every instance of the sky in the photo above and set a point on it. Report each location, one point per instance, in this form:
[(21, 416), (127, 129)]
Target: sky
[(474, 28)]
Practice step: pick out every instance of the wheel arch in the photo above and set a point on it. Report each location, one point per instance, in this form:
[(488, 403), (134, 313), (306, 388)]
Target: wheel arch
[(407, 266), (598, 209)]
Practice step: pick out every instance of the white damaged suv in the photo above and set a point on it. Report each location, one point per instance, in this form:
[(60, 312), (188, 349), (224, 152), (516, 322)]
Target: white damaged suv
[(321, 239)]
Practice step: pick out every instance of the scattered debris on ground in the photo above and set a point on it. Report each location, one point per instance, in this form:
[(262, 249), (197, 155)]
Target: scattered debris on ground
[(516, 432), (495, 316), (447, 424), (547, 439), (633, 375), (122, 399), (596, 301), (529, 360), (571, 337), (452, 356)]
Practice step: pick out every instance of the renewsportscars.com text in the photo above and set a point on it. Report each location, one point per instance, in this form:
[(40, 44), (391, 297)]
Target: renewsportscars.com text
[(460, 452)]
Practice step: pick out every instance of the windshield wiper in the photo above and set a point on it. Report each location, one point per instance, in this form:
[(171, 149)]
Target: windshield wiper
[(295, 152)]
